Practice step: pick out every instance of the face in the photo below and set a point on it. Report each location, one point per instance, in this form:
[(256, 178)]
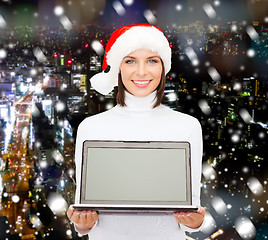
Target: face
[(141, 72)]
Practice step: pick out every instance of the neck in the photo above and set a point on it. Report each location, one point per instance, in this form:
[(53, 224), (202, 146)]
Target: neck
[(140, 103)]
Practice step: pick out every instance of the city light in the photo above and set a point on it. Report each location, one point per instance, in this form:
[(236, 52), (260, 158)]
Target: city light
[(62, 183), (218, 76)]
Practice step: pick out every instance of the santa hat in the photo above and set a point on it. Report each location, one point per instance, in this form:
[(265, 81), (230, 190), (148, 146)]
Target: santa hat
[(124, 41)]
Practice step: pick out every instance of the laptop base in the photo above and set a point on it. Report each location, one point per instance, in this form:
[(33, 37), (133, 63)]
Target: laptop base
[(81, 207)]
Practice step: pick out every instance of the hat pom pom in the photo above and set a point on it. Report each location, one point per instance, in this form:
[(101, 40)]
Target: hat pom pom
[(102, 83)]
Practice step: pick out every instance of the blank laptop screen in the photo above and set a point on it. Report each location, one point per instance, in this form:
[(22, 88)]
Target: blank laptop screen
[(139, 175)]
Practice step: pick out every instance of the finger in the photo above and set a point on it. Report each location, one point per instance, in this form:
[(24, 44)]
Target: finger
[(83, 218), (75, 217), (91, 217), (181, 220), (179, 217), (185, 219), (201, 211), (181, 213), (194, 220), (70, 212), (95, 216)]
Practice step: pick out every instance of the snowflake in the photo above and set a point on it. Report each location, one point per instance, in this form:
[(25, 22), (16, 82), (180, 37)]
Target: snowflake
[(252, 33), (128, 2), (58, 10), (66, 23), (150, 17), (118, 7), (245, 228), (178, 7), (250, 53), (209, 10), (3, 53), (192, 56), (213, 73), (97, 47)]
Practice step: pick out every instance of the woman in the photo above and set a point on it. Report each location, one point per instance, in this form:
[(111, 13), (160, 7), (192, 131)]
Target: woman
[(137, 58)]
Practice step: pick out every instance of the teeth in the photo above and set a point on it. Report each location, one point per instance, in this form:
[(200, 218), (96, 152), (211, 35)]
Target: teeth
[(141, 82)]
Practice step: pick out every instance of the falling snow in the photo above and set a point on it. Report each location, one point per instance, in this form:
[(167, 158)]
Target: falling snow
[(119, 8), (58, 10), (233, 184), (150, 17), (192, 56), (252, 33), (245, 228), (214, 74), (39, 55), (3, 23), (97, 47), (3, 53), (57, 204), (66, 22), (209, 10)]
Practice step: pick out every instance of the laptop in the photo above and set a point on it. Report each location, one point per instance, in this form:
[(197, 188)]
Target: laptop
[(127, 176)]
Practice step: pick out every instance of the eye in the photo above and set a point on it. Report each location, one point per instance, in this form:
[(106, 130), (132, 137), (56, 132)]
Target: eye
[(129, 61), (153, 61)]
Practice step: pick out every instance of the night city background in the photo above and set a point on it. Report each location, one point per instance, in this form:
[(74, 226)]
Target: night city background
[(50, 49)]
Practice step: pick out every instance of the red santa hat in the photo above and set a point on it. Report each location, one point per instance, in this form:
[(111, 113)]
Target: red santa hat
[(122, 42)]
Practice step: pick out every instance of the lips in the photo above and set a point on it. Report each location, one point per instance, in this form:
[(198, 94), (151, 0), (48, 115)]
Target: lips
[(141, 83)]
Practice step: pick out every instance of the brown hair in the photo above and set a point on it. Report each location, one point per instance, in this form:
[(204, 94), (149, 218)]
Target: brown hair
[(160, 96)]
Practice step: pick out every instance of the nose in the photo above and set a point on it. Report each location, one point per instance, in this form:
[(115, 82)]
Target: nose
[(141, 69)]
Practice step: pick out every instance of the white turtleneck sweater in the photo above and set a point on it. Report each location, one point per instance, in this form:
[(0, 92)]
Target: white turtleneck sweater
[(138, 121)]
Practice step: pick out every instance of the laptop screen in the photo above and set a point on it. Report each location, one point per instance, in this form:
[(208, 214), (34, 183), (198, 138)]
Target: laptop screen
[(136, 173)]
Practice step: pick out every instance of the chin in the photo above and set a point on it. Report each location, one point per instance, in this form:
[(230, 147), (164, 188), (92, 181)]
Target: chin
[(141, 93)]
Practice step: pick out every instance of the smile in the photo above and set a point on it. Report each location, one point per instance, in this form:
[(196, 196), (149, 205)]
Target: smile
[(141, 82)]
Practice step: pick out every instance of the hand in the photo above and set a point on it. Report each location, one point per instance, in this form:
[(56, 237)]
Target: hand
[(82, 219), (191, 219)]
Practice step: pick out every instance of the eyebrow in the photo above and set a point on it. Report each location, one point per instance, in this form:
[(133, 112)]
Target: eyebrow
[(135, 57)]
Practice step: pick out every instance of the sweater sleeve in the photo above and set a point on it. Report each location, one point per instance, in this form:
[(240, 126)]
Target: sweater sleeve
[(83, 231), (78, 159), (80, 138), (196, 162)]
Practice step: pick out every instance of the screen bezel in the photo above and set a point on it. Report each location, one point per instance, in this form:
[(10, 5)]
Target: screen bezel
[(139, 145)]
